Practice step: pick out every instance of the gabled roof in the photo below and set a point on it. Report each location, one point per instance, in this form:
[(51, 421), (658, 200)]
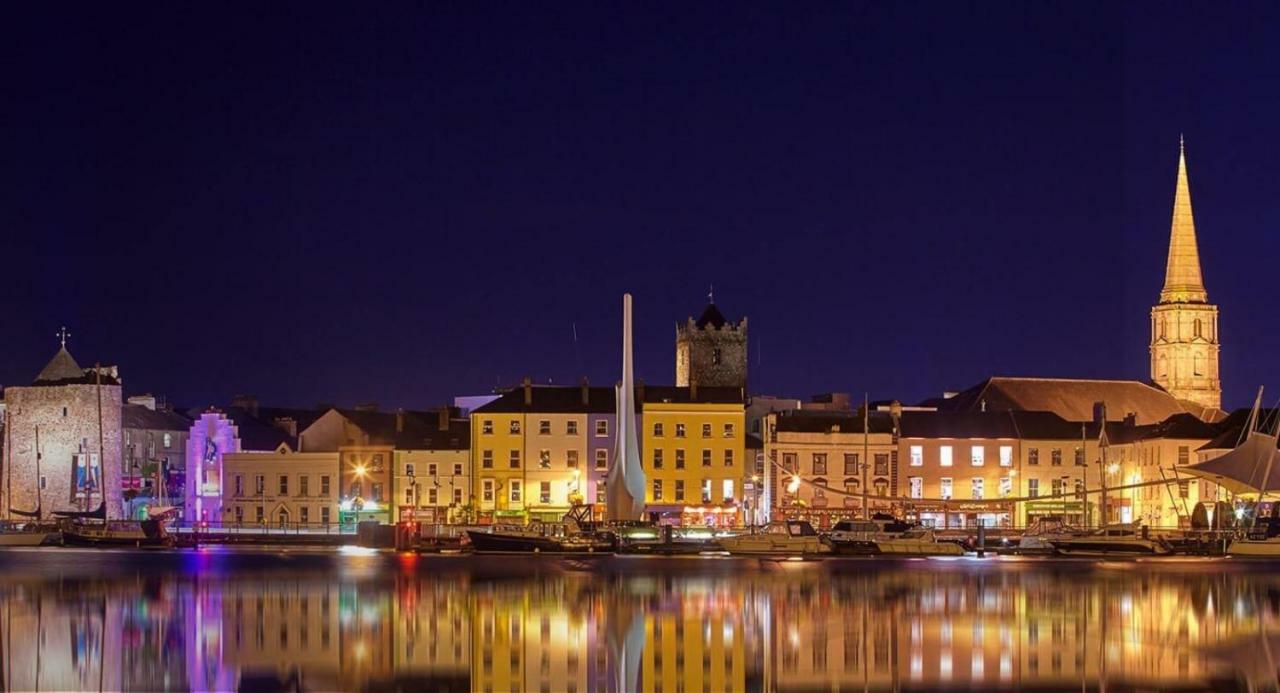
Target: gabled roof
[(702, 395), (139, 417), (1073, 399), (257, 435)]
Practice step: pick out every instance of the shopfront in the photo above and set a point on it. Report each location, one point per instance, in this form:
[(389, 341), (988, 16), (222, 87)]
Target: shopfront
[(963, 515)]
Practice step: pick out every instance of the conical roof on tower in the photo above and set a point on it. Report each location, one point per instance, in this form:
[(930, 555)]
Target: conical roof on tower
[(60, 368), (1183, 282)]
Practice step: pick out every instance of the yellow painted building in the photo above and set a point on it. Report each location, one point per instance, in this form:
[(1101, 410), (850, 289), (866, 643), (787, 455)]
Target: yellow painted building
[(694, 452), (280, 489)]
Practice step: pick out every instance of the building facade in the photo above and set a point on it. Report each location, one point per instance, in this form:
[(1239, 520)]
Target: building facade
[(693, 445), (282, 489), (65, 440), (432, 477), (155, 454)]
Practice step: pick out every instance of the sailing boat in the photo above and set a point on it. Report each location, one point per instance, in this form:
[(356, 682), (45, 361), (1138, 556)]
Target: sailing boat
[(25, 532), (1238, 471)]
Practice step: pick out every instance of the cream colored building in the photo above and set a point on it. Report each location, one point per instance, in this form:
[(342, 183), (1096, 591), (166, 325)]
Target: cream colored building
[(282, 488), (432, 471)]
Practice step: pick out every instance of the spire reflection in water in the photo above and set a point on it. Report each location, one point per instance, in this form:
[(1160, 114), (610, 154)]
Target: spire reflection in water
[(333, 622)]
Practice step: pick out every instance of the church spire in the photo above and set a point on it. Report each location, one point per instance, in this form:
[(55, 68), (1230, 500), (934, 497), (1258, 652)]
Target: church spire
[(1182, 280)]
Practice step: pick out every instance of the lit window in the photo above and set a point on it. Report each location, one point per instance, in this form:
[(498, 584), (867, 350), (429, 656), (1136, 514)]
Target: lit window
[(706, 490), (168, 440), (916, 485), (977, 488), (944, 455), (1006, 486), (544, 459), (945, 488), (657, 489), (515, 491), (917, 456), (1006, 455), (728, 430), (727, 488), (1033, 487), (514, 426), (679, 430), (486, 427), (977, 455)]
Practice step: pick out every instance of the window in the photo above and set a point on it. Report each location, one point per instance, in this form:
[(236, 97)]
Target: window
[(409, 470), (1055, 457), (819, 463), (514, 497), (1033, 456), (680, 490), (1033, 487), (239, 485), (571, 427), (513, 427), (1006, 486), (917, 456), (944, 489), (1079, 488), (977, 455), (259, 484), (304, 514), (916, 486), (457, 469), (486, 493), (679, 430), (1057, 487), (1184, 454), (1184, 488), (728, 430), (944, 455), (486, 427), (239, 514), (602, 459), (486, 459), (657, 429), (324, 484), (657, 458), (355, 490), (571, 459), (706, 490), (259, 514), (680, 459), (602, 428), (304, 482), (544, 427), (324, 514), (168, 441), (408, 495), (706, 458), (728, 458), (457, 496), (1006, 455), (544, 493), (1079, 457), (850, 464), (544, 459), (514, 459), (657, 489), (882, 463), (377, 491), (977, 488), (706, 430), (727, 487)]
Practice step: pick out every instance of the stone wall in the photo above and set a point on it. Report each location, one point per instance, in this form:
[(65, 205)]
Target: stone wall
[(67, 417), (711, 357)]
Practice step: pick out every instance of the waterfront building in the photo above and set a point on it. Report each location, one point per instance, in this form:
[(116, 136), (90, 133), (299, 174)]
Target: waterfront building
[(711, 351), (432, 476), (284, 489), (693, 447), (364, 439), (155, 454), (537, 449), (65, 440), (809, 452), (212, 436)]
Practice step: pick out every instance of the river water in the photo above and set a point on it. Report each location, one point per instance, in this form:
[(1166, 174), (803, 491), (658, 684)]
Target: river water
[(220, 619)]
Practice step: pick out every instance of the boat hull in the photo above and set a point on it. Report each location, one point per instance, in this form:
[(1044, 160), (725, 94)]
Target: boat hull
[(750, 547), (1244, 548), (1086, 547), (147, 533), (29, 538), (893, 547), (486, 542)]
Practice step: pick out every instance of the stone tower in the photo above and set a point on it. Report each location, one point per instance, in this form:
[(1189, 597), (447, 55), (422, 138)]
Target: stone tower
[(71, 417), (711, 351), (1184, 325)]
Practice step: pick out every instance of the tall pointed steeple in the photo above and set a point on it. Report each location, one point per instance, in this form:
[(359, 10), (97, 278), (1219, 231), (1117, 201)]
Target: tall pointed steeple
[(1183, 282), (1184, 325)]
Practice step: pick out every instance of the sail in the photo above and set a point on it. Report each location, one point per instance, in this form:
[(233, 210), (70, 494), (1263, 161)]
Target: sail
[(1246, 469), (624, 485)]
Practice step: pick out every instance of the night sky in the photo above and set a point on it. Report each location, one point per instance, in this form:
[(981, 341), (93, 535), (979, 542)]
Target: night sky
[(360, 203)]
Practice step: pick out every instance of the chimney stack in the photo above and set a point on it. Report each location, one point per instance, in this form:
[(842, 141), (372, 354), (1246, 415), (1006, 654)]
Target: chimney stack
[(640, 392), (528, 391), (248, 403), (399, 421), (1099, 412), (444, 418), (586, 391)]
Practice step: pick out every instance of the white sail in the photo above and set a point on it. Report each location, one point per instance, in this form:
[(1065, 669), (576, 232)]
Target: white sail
[(624, 485), (1248, 468)]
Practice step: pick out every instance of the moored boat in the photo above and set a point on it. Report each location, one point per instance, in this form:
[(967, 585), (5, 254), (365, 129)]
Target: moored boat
[(1039, 537), (786, 539), (137, 533), (566, 537), (879, 538), (29, 534), (1112, 540)]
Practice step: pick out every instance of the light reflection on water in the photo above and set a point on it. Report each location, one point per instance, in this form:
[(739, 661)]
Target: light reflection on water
[(222, 620)]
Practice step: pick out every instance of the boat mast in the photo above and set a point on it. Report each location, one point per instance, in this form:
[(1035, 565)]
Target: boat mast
[(8, 471), (97, 368), (39, 498), (866, 455)]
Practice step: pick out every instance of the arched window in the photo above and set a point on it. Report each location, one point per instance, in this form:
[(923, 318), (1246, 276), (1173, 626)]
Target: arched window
[(882, 487), (1162, 325), (819, 487)]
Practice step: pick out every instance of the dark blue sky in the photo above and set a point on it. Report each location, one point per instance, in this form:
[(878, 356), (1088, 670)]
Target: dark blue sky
[(400, 204)]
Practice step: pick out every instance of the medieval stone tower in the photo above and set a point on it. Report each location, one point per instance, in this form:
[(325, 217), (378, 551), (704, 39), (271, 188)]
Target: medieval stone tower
[(1184, 325), (64, 440), (711, 351)]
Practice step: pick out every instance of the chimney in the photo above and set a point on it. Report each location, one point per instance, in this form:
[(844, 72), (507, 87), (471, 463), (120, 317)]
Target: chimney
[(248, 403), (1099, 412), (586, 391), (443, 420), (528, 391), (693, 391), (640, 391), (1131, 419), (399, 421)]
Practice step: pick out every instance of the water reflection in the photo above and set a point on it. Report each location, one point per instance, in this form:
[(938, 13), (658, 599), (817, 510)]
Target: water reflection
[(336, 622)]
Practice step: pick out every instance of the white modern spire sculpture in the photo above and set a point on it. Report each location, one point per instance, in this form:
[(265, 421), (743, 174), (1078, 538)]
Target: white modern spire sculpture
[(624, 486)]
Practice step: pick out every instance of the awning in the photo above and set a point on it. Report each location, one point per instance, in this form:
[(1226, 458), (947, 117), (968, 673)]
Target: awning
[(1248, 468)]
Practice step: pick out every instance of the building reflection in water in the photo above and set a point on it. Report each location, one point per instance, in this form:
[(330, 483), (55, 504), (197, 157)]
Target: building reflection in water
[(565, 629)]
